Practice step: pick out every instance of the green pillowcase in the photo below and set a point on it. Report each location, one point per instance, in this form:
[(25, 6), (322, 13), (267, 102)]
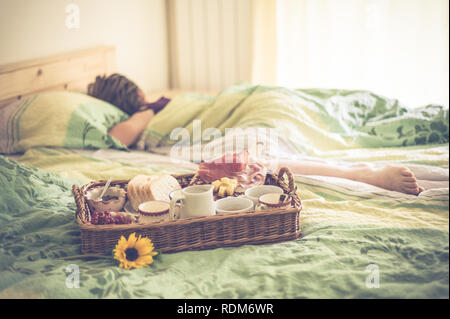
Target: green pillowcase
[(60, 119)]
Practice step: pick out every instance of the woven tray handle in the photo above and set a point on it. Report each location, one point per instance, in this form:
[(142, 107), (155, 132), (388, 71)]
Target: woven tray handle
[(81, 208), (289, 188), (285, 171)]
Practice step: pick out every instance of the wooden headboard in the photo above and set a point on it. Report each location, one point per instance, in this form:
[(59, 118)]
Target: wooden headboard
[(69, 71)]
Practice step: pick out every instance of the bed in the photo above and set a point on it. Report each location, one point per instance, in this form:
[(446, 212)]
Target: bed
[(359, 241)]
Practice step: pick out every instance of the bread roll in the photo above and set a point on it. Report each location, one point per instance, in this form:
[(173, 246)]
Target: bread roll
[(134, 190), (144, 188), (161, 186)]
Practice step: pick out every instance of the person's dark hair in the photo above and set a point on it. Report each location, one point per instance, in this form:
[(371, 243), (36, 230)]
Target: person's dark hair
[(119, 91)]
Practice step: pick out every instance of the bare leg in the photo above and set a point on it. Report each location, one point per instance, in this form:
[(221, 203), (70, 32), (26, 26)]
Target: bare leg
[(394, 178)]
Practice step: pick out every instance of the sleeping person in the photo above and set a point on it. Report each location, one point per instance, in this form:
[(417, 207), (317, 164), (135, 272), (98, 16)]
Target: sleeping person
[(123, 93)]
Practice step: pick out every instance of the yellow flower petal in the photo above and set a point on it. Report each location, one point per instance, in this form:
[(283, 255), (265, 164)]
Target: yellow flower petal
[(145, 260), (143, 246), (132, 240)]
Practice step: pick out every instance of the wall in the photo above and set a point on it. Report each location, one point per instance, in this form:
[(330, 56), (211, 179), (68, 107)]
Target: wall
[(37, 28)]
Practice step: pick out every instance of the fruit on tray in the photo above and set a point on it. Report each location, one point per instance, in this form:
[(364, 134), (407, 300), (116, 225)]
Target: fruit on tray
[(107, 218), (225, 186)]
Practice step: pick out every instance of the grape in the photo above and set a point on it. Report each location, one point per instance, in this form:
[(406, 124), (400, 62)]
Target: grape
[(106, 218)]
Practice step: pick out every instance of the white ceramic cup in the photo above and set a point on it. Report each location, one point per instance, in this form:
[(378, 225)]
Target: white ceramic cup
[(194, 201), (230, 205), (255, 192), (273, 200), (154, 211)]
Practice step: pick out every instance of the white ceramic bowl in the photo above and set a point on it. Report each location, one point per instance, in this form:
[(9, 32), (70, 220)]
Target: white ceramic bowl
[(255, 192), (112, 205), (229, 205), (272, 200)]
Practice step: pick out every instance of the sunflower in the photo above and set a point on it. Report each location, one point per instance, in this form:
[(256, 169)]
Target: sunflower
[(134, 252)]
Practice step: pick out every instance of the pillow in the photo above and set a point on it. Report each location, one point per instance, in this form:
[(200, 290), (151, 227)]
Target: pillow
[(61, 119)]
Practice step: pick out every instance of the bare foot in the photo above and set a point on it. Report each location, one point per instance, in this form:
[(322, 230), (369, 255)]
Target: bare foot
[(390, 177)]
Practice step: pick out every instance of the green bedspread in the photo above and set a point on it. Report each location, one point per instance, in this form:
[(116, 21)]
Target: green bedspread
[(314, 121), (358, 241), (346, 232)]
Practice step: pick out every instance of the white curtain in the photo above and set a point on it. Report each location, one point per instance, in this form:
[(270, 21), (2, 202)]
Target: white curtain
[(211, 42), (396, 48)]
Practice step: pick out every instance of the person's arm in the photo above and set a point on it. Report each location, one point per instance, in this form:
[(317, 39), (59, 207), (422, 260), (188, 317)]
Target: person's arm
[(128, 131)]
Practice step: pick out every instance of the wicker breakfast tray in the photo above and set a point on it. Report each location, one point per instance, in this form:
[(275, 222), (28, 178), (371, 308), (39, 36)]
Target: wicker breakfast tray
[(207, 232)]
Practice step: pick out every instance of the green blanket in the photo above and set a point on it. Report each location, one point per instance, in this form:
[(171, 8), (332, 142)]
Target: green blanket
[(314, 120), (350, 239)]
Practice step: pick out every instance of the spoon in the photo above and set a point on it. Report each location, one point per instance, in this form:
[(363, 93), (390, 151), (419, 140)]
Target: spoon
[(105, 188)]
